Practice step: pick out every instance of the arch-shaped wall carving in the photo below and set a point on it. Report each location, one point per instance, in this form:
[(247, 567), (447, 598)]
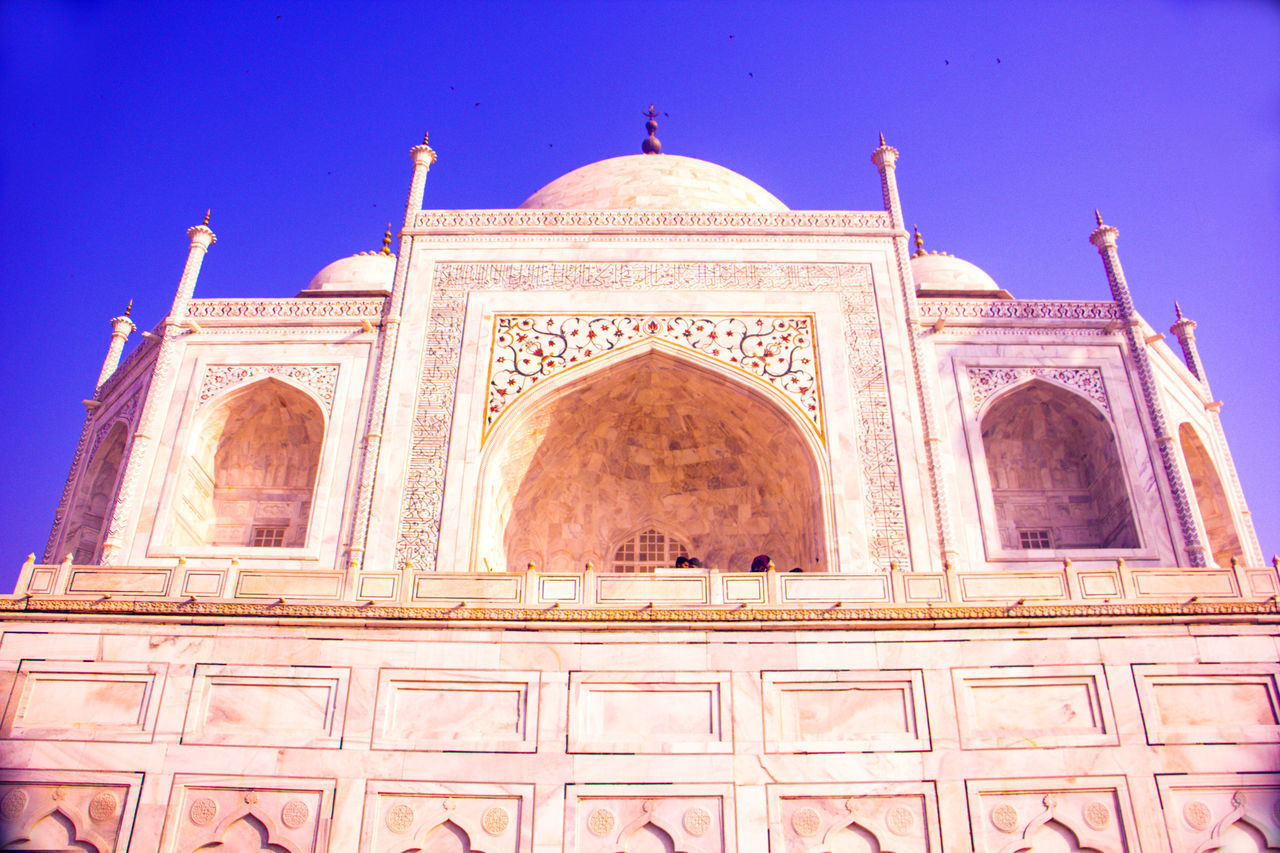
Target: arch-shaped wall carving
[(446, 837), (1211, 498), (655, 436), (251, 467), (1057, 479), (96, 495)]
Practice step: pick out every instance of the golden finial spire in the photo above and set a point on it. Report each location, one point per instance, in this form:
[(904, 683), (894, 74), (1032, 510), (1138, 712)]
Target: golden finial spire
[(651, 145), (1177, 309), (386, 241), (1097, 215), (206, 217), (881, 139), (919, 241), (128, 309), (426, 138)]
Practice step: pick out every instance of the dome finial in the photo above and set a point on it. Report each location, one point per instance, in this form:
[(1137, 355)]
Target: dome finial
[(128, 309), (651, 145), (919, 241), (1097, 215), (882, 139), (1177, 309), (206, 217), (386, 241)]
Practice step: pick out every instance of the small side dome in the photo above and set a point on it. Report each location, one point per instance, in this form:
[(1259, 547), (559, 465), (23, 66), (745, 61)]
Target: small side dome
[(940, 274), (365, 274), (653, 182)]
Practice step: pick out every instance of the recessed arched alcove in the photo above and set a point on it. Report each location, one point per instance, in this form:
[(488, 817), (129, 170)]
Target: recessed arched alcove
[(96, 496), (251, 469), (650, 439), (1056, 476), (1215, 511)]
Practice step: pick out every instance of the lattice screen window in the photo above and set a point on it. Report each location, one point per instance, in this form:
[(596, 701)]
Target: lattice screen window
[(268, 537), (1038, 538), (648, 550)]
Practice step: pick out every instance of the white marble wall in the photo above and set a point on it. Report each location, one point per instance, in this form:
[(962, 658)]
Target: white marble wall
[(338, 735)]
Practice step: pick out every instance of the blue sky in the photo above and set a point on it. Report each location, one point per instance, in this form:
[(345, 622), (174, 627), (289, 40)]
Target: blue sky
[(123, 122)]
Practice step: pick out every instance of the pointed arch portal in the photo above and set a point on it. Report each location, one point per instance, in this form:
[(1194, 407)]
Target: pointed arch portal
[(1211, 499), (650, 440), (1056, 476)]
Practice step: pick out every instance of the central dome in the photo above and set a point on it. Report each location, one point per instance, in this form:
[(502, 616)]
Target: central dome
[(654, 182)]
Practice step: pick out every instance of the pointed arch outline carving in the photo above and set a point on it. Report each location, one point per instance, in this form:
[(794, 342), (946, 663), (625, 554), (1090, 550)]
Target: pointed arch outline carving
[(987, 384), (247, 810), (76, 835), (562, 385)]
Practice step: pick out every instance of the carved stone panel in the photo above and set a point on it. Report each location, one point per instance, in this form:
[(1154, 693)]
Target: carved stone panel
[(1083, 813), (402, 816), (248, 814), (632, 820), (859, 821), (1222, 812), (72, 811)]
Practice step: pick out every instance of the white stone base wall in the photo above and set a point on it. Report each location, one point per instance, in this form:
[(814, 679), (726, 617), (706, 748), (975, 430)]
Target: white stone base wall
[(130, 733)]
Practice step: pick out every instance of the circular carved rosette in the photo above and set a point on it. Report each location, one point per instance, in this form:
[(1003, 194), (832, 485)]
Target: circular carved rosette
[(203, 811), (697, 821), (1004, 817), (1197, 815), (495, 820), (399, 818), (13, 804), (900, 820), (102, 807), (600, 822), (1097, 815), (806, 822), (294, 814)]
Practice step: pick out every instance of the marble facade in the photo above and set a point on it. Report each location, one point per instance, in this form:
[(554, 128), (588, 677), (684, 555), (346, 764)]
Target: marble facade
[(366, 568)]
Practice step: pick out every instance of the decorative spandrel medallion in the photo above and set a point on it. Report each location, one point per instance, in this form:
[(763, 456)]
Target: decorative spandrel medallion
[(422, 500), (775, 349)]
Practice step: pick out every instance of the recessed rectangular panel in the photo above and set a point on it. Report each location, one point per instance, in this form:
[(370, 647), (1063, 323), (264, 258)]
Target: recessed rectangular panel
[(267, 706), (84, 701), (85, 581), (1028, 707), (1210, 703), (649, 712), (839, 711), (456, 711)]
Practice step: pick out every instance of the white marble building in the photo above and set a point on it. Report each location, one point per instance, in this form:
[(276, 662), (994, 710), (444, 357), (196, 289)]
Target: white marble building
[(389, 565)]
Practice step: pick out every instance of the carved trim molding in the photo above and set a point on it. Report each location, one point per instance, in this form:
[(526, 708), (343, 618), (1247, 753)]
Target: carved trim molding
[(1017, 309), (330, 307), (419, 527), (1087, 381), (778, 349), (320, 378), (470, 220), (922, 617)]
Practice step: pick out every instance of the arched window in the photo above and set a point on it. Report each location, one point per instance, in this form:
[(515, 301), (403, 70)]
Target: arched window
[(249, 478), (96, 497), (1056, 476), (1215, 512), (648, 550)]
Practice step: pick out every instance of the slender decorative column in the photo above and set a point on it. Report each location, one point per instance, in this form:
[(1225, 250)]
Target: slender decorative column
[(1184, 328), (1186, 331), (423, 157), (158, 391), (1104, 237), (886, 157), (121, 328)]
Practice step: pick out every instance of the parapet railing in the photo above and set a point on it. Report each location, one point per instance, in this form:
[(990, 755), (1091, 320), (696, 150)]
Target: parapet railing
[(705, 588)]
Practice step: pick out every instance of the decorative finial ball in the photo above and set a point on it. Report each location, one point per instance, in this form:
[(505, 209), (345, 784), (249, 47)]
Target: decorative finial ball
[(651, 145)]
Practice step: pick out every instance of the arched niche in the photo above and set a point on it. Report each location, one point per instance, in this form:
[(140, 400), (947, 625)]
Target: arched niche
[(446, 837), (651, 437), (1056, 476), (1215, 511), (96, 496), (1052, 837), (249, 475)]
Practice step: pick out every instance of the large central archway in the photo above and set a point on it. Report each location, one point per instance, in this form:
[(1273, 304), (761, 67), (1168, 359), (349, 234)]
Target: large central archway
[(653, 441)]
